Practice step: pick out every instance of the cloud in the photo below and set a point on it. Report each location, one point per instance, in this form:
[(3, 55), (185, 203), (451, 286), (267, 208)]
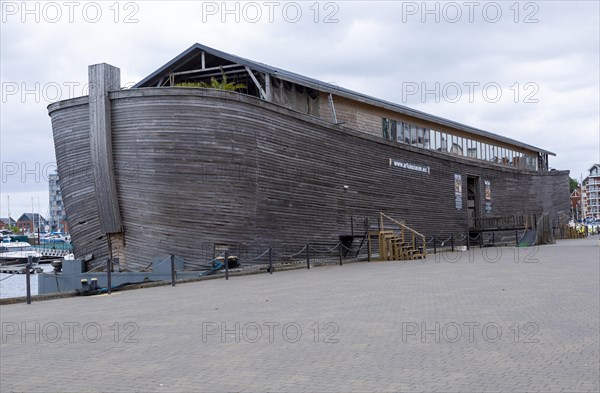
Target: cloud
[(376, 48)]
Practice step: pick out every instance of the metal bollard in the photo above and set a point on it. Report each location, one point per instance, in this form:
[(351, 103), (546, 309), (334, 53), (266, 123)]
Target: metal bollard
[(226, 265), (340, 252), (108, 276), (434, 245), (308, 256), (516, 239), (452, 241), (494, 239), (172, 270), (270, 260), (28, 277), (468, 241)]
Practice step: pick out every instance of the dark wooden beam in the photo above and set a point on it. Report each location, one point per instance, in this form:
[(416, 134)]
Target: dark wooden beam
[(102, 79)]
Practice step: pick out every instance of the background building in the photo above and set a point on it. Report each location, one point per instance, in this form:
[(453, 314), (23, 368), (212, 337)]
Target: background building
[(7, 222), (30, 222), (591, 193), (57, 219)]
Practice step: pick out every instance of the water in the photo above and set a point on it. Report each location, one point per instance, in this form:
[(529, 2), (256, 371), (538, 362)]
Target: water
[(15, 285)]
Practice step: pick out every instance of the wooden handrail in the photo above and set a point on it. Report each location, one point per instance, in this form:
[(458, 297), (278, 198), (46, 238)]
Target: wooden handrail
[(396, 242), (397, 222)]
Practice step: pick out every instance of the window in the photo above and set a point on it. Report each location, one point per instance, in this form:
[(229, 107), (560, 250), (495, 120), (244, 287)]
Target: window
[(426, 138), (385, 128), (406, 133), (420, 137), (471, 149), (444, 143), (435, 137), (413, 134), (393, 130), (400, 132)]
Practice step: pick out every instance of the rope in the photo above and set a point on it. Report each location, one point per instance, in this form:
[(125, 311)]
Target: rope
[(326, 251), (444, 242), (476, 237), (101, 264), (349, 249), (7, 277), (292, 255), (260, 256)]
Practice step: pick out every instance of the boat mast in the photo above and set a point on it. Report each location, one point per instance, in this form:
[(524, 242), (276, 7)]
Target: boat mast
[(32, 217)]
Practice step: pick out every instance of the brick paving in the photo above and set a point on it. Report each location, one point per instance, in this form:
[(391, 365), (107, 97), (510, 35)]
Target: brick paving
[(488, 320)]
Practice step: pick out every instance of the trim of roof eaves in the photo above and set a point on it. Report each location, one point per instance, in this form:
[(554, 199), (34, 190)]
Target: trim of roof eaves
[(329, 88)]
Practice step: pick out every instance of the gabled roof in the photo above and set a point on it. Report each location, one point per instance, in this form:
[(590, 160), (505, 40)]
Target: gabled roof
[(8, 220), (594, 166), (27, 217), (190, 59)]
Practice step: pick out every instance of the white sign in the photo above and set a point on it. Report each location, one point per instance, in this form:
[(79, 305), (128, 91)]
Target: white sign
[(409, 166)]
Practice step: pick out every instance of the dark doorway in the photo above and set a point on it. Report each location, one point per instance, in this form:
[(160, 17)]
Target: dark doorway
[(473, 199)]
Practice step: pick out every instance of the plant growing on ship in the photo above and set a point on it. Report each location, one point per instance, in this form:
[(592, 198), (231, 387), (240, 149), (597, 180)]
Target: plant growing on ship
[(223, 84)]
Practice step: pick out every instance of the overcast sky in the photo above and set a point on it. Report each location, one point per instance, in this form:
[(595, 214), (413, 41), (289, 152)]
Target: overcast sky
[(525, 70)]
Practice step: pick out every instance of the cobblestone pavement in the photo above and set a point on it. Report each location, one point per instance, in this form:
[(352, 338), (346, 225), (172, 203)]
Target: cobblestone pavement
[(495, 319)]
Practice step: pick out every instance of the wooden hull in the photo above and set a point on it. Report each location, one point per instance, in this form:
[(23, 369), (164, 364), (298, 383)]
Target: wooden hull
[(196, 167)]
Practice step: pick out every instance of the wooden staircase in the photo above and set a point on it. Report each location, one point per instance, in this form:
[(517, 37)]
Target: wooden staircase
[(397, 242)]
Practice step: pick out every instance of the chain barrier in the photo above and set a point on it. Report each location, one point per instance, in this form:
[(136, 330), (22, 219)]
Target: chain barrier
[(260, 256), (292, 255), (476, 237), (444, 242), (326, 251)]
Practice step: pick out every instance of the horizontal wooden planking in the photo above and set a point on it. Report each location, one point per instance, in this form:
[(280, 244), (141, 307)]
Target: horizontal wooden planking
[(197, 167), (72, 147)]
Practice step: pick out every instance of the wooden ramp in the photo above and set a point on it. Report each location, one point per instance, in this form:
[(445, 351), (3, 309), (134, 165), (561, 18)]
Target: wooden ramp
[(528, 238)]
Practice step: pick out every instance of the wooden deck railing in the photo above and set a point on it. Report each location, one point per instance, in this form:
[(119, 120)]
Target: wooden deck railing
[(505, 222)]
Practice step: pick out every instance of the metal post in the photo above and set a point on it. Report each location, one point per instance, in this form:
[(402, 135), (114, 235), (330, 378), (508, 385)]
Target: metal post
[(452, 241), (468, 241), (340, 252), (308, 256), (516, 239), (108, 276), (270, 260), (172, 270), (28, 277), (434, 246), (493, 239), (227, 265)]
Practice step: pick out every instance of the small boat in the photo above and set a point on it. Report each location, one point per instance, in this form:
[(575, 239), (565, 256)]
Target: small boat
[(55, 237), (17, 253)]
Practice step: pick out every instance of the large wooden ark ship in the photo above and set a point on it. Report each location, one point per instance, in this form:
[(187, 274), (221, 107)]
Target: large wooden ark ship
[(165, 168)]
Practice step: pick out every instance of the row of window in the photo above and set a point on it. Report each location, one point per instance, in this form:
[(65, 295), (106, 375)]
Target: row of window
[(414, 135)]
